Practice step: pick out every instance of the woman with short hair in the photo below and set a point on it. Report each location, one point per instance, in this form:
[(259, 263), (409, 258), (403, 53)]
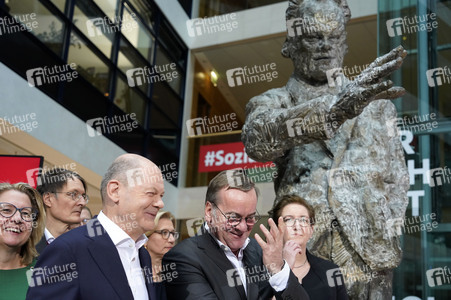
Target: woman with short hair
[(311, 271)]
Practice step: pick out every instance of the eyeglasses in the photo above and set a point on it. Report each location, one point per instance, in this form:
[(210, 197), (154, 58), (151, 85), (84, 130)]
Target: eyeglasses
[(290, 221), (75, 196), (8, 210), (234, 219), (166, 233)]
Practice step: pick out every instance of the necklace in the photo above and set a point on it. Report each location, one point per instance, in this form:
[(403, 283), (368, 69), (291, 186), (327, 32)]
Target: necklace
[(302, 264)]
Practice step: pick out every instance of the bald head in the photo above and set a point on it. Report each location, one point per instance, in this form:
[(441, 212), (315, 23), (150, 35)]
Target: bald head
[(130, 170)]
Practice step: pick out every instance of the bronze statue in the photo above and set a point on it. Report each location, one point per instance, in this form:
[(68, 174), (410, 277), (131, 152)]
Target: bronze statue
[(331, 140)]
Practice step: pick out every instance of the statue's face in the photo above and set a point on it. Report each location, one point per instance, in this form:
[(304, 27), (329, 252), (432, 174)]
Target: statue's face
[(318, 50)]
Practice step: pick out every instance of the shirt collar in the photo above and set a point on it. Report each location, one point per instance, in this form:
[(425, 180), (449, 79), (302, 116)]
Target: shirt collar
[(48, 236), (224, 247), (117, 234)]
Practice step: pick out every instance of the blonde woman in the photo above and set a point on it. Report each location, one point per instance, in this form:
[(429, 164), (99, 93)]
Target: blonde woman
[(161, 240), (22, 218)]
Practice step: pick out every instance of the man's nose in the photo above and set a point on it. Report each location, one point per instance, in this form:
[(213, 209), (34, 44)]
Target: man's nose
[(242, 226), (325, 43), (159, 203)]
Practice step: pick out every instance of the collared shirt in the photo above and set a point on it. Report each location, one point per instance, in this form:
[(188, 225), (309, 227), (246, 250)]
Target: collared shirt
[(277, 281), (48, 236), (129, 253)]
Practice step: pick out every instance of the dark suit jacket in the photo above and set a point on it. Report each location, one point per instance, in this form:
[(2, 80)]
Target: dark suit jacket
[(88, 267), (202, 271), (41, 245), (318, 285)]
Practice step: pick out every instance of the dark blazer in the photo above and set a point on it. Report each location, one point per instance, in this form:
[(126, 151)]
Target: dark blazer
[(316, 283), (41, 245), (88, 267), (202, 271)]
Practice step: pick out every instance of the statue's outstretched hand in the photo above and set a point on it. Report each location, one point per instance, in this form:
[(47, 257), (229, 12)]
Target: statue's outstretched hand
[(369, 85)]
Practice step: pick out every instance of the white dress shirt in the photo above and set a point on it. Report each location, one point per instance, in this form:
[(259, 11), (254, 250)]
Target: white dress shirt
[(129, 253), (48, 236), (277, 281)]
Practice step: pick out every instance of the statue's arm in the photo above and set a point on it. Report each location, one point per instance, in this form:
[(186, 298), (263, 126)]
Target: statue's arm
[(272, 128)]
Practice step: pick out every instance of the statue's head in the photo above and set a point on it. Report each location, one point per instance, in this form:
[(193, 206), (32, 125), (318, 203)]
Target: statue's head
[(316, 39)]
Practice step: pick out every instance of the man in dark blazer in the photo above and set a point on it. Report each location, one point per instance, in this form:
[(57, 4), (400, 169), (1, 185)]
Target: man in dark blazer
[(222, 262), (105, 259)]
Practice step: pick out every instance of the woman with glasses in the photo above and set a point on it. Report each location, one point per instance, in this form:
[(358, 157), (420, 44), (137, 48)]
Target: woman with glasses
[(21, 227), (161, 240), (319, 277)]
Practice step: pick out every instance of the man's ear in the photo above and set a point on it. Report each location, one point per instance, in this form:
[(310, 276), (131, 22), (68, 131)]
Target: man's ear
[(208, 212), (47, 199), (113, 188)]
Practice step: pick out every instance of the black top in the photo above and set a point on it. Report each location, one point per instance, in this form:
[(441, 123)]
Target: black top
[(317, 284)]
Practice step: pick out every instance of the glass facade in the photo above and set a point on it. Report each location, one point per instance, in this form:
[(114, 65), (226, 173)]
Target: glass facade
[(422, 28), (112, 44), (209, 8)]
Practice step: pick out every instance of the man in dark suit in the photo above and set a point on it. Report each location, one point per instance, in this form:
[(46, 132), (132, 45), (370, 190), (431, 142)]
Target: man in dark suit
[(222, 262), (105, 259)]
